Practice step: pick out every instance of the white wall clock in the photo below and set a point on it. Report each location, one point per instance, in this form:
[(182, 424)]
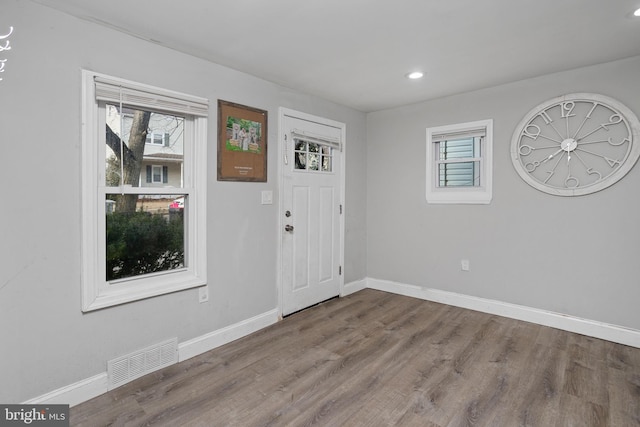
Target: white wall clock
[(576, 144)]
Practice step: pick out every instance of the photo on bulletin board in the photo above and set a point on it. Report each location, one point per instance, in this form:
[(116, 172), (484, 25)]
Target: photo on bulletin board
[(242, 143)]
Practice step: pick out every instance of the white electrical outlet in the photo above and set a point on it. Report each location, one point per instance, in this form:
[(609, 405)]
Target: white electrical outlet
[(464, 265), (203, 294)]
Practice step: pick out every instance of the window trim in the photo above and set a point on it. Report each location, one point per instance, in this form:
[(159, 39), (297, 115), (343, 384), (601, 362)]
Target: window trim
[(97, 293), (481, 194)]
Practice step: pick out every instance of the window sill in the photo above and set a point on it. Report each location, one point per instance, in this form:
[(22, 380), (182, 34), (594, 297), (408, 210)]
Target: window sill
[(135, 289), (448, 196)]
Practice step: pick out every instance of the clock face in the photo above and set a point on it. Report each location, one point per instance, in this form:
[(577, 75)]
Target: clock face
[(576, 144)]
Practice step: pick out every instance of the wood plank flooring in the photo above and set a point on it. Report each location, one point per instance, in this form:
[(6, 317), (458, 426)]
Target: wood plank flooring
[(378, 359)]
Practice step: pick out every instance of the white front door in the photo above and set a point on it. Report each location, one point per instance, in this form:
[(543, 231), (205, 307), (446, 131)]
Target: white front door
[(311, 209)]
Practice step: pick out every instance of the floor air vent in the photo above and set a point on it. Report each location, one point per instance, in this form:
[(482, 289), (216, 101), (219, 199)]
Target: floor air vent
[(127, 368)]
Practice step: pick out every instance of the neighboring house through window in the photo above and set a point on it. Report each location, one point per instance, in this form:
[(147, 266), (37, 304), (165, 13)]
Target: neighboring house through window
[(459, 163), (143, 148)]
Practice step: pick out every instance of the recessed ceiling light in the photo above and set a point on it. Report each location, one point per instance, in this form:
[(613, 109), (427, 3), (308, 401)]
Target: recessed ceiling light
[(415, 75), (636, 13)]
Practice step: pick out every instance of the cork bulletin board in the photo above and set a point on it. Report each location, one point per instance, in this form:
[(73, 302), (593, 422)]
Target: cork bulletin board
[(242, 143)]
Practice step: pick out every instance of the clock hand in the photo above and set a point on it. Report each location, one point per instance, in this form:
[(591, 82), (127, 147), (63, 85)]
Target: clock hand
[(551, 156)]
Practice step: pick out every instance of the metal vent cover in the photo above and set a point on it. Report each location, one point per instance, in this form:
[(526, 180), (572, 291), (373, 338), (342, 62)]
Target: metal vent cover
[(134, 365)]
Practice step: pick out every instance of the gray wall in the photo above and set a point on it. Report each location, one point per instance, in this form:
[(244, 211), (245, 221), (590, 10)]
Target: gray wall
[(521, 248), (46, 341)]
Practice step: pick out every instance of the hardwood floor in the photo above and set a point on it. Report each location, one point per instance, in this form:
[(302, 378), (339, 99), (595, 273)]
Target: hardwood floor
[(378, 359)]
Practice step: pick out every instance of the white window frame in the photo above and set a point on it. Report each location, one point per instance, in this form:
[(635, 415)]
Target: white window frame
[(481, 194), (97, 293)]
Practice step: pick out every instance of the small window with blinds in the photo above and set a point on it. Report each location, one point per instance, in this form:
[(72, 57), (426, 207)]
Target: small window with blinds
[(144, 191), (459, 163)]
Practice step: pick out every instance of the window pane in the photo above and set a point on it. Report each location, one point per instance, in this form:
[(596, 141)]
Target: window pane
[(157, 173), (311, 156), (463, 174), (326, 164), (326, 158), (313, 162), (459, 148), (301, 160), (144, 234), (149, 139)]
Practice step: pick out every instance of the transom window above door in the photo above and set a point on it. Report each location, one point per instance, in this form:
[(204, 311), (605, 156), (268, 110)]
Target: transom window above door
[(312, 156), (313, 152)]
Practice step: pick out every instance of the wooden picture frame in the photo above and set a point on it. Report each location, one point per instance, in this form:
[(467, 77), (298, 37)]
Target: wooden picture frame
[(242, 143)]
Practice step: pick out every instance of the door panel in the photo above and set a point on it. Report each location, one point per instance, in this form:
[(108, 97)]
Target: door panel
[(325, 234), (311, 194), (300, 249)]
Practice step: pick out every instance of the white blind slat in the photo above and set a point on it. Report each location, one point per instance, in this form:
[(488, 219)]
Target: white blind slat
[(137, 95)]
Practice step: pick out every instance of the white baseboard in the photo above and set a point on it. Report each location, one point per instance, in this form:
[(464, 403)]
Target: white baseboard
[(204, 343), (592, 328), (75, 393), (352, 287), (89, 388)]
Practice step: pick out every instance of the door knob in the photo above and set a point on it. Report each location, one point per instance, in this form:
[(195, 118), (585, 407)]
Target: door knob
[(288, 228)]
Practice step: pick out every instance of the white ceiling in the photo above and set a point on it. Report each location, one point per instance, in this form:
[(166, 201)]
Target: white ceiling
[(357, 52)]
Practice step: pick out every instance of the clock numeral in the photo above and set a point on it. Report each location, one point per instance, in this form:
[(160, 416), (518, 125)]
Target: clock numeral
[(612, 162), (533, 135), (595, 104), (547, 119), (566, 108), (610, 140), (613, 120), (591, 171), (550, 173), (8, 34), (571, 182), (531, 166), (525, 150)]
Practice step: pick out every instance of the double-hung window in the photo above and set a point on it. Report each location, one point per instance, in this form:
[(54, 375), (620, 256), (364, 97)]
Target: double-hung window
[(136, 244), (459, 163)]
